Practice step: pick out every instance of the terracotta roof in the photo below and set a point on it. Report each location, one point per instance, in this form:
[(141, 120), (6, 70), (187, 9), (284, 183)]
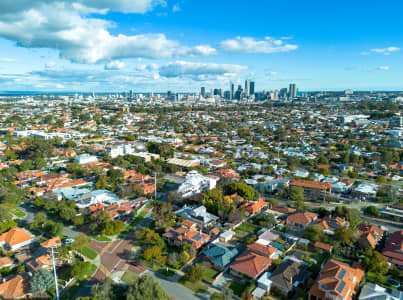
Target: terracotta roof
[(311, 184), (262, 249), (251, 264), (302, 217), (15, 236), (5, 261), (337, 279), (323, 246), (14, 288), (53, 242)]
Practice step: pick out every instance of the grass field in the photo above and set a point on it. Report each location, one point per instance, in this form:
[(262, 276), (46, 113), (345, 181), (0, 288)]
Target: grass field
[(197, 287), (19, 213), (88, 252), (101, 238), (129, 277), (209, 274)]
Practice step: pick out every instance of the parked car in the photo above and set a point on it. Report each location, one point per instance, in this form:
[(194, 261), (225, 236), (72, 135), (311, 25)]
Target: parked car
[(136, 264), (68, 241)]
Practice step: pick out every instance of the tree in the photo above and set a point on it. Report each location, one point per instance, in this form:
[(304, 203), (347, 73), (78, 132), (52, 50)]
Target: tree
[(344, 234), (163, 214), (113, 227), (115, 177), (4, 213), (67, 213), (296, 194), (41, 281), (373, 211), (81, 240), (39, 220), (380, 180), (265, 220), (26, 165), (242, 189), (146, 288), (53, 228), (81, 269), (375, 262), (194, 274), (102, 183), (314, 233), (78, 220)]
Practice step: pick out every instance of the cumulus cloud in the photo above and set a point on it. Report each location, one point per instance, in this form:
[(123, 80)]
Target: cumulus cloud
[(66, 25), (7, 59), (383, 68), (183, 68), (115, 65), (251, 45), (384, 51), (176, 8)]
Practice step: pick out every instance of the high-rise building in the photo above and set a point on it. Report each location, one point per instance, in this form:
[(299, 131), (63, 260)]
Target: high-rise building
[(203, 92), (131, 95), (231, 91), (283, 93), (247, 87), (292, 91), (252, 87), (211, 93), (238, 93)]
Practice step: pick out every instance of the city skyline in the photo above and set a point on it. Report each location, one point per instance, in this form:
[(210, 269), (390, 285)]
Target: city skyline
[(156, 46)]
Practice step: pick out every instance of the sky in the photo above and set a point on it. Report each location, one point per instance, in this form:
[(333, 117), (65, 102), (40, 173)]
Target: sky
[(181, 45)]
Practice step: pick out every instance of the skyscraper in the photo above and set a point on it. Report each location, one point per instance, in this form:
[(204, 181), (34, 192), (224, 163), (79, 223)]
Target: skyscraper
[(292, 91), (252, 87), (231, 91), (203, 92), (247, 87)]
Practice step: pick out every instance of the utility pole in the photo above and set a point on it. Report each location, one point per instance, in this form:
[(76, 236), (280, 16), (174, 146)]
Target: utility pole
[(155, 185), (55, 274)]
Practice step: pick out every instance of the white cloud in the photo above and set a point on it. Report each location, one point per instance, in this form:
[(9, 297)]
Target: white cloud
[(384, 51), (271, 73), (383, 68), (182, 68), (50, 65), (115, 65), (67, 26), (176, 8), (7, 59), (251, 45)]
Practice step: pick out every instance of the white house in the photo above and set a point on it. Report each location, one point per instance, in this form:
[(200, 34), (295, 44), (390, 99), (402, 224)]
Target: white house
[(196, 183), (85, 159), (121, 150), (372, 291)]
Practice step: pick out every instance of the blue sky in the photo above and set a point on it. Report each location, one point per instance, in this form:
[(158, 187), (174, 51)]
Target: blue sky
[(181, 45)]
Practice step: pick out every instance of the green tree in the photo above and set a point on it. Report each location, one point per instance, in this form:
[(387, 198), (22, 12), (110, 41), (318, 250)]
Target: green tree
[(146, 288), (67, 213), (81, 269), (102, 183), (373, 211), (375, 262), (41, 281), (314, 233), (80, 241), (344, 234), (194, 274)]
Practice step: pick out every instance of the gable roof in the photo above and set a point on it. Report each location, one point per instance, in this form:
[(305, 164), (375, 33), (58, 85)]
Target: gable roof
[(288, 273), (302, 217), (14, 288), (251, 264), (221, 255), (15, 236)]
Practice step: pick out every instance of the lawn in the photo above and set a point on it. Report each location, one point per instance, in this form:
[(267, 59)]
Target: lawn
[(237, 288), (209, 274), (129, 277), (248, 227), (167, 273), (88, 252), (196, 287), (342, 259), (134, 223), (101, 238), (376, 278), (72, 290), (19, 213)]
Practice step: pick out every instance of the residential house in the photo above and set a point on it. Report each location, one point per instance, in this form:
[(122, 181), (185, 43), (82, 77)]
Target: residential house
[(16, 287), (16, 238), (5, 262), (313, 189), (393, 250), (226, 236), (198, 215), (265, 250), (196, 183), (185, 234), (250, 264), (336, 280), (85, 159), (220, 255), (372, 291), (253, 207), (370, 235), (289, 275), (301, 219), (330, 224)]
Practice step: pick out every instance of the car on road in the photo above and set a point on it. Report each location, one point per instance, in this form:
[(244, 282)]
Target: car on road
[(135, 264), (68, 241)]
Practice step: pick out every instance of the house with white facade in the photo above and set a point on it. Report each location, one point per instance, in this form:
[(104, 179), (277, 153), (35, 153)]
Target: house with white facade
[(196, 183)]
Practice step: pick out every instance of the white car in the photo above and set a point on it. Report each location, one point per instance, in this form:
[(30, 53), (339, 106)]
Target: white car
[(68, 241)]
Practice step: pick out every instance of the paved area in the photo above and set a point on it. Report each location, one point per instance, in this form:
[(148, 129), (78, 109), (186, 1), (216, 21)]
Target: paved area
[(114, 256)]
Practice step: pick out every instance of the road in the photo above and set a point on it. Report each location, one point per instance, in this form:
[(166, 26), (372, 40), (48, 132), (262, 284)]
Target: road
[(390, 225)]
